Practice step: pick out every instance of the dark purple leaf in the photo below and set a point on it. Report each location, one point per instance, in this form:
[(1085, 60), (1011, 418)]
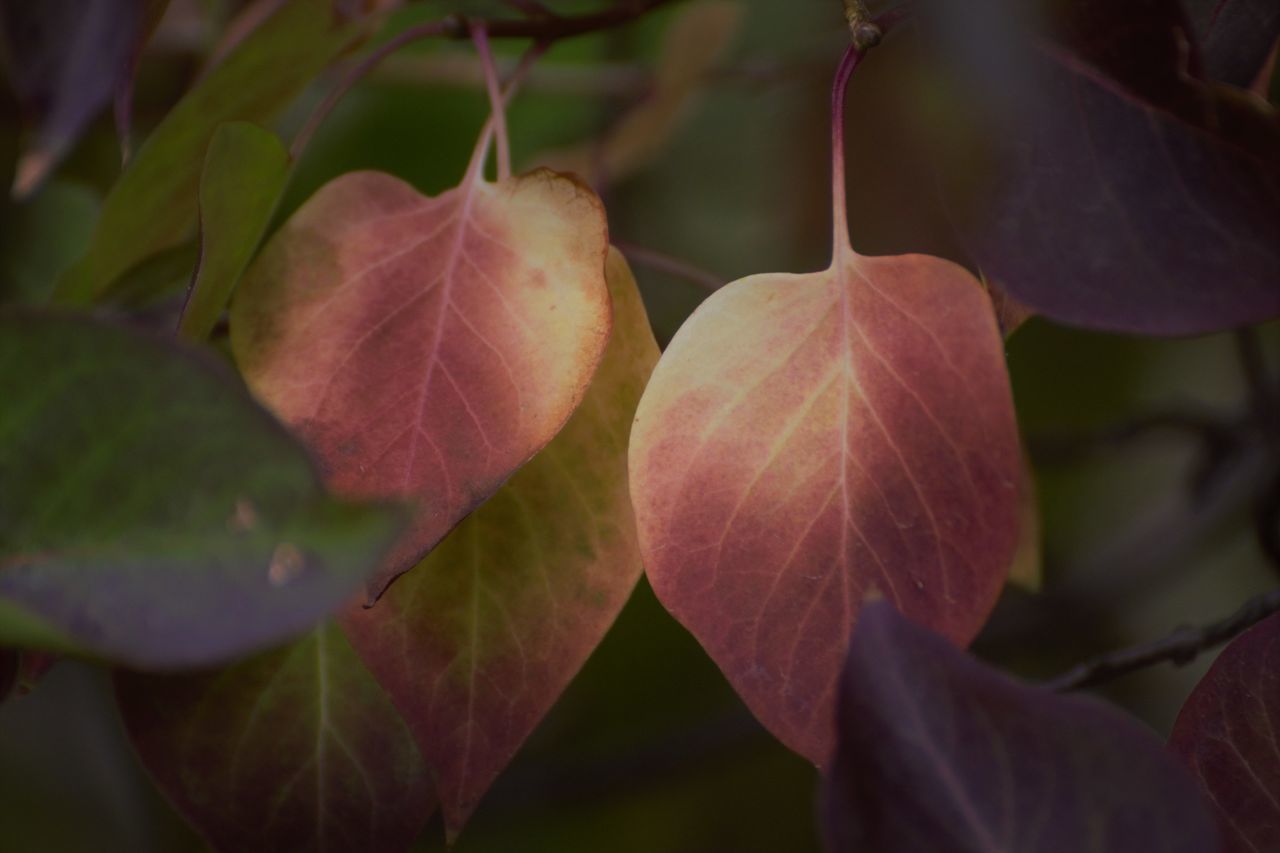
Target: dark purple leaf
[(1122, 193), (939, 752), (1235, 36), (66, 58), (1227, 734)]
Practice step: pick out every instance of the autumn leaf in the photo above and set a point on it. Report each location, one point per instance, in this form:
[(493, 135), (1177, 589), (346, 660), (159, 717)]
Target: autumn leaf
[(426, 348), (809, 439), (1226, 734), (940, 752), (479, 641), (297, 748), (146, 497)]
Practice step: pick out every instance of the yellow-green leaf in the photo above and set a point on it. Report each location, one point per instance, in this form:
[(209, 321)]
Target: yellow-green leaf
[(244, 171), (153, 205)]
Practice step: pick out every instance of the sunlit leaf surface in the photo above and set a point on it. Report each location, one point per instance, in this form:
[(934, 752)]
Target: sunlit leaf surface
[(423, 347), (809, 439)]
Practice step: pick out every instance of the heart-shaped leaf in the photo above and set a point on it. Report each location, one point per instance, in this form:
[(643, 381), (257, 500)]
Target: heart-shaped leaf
[(479, 641), (146, 500), (154, 203), (807, 439), (245, 170), (1227, 734), (425, 348), (940, 752), (297, 748), (1123, 193)]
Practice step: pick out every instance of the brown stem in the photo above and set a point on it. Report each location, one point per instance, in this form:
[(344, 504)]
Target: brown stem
[(663, 262), (532, 8), (550, 29), (1179, 648), (358, 72), (541, 29), (863, 30)]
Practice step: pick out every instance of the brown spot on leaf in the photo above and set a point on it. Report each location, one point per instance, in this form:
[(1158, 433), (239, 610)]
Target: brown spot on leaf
[(287, 564)]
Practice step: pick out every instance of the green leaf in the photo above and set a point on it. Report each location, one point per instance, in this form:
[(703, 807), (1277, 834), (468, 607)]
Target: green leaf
[(244, 172), (294, 749), (153, 205), (151, 512)]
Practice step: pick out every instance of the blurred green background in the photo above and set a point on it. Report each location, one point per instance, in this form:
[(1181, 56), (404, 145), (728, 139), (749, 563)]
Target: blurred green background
[(649, 749)]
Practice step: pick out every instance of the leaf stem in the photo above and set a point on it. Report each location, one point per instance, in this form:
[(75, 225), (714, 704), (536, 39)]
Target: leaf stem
[(840, 243), (865, 33), (481, 39), (496, 117), (1179, 648), (542, 28)]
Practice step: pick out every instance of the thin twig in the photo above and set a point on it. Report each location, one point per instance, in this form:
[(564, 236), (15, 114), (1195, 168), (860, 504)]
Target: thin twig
[(541, 29), (555, 28), (532, 8), (499, 111), (606, 79), (672, 266), (1179, 648), (357, 72)]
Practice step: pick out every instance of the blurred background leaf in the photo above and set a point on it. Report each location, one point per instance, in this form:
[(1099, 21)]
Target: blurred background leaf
[(649, 748)]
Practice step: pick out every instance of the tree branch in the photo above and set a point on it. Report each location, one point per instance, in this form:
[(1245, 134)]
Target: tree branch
[(1179, 648), (542, 29), (554, 28), (663, 262)]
